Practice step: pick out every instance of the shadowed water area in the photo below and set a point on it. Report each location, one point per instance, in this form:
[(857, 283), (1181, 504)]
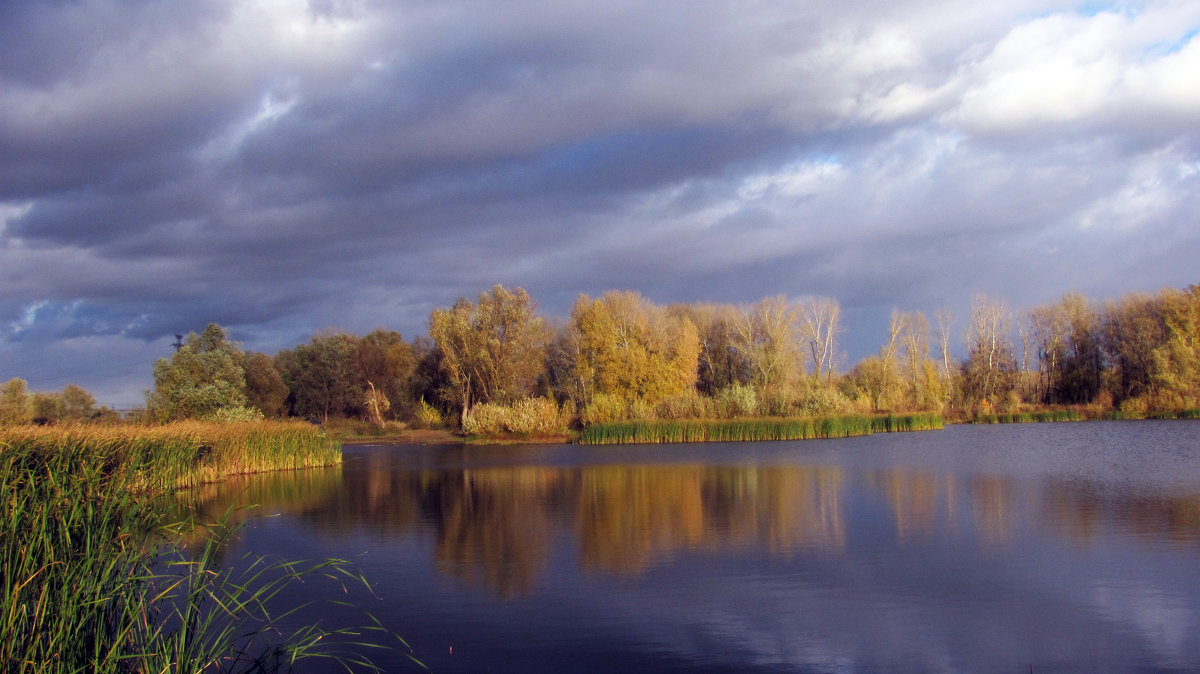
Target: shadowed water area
[(1070, 547)]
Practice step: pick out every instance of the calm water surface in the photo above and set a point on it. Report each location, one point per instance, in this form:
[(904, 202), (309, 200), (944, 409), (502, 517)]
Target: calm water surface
[(1071, 547)]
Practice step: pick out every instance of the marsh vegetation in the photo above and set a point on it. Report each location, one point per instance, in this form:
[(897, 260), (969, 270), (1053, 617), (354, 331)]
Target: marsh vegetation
[(103, 571)]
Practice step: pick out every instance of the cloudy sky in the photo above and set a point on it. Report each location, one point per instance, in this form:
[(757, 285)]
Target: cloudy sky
[(282, 167)]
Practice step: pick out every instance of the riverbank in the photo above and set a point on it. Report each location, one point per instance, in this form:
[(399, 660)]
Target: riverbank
[(95, 577)]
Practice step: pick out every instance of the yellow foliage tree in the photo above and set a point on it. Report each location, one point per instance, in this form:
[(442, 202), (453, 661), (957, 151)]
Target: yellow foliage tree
[(632, 349)]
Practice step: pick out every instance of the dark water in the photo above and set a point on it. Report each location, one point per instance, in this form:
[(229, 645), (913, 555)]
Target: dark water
[(1071, 547)]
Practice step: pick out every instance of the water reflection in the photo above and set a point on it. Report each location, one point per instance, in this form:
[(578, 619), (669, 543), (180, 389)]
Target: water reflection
[(494, 528)]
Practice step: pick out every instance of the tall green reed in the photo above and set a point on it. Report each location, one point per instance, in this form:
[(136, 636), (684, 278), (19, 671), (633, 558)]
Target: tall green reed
[(752, 430)]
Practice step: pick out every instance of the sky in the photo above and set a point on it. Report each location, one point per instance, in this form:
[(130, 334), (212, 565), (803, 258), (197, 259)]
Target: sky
[(284, 167)]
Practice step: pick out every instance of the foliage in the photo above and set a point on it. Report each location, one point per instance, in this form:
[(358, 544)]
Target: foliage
[(531, 417), (631, 349), (492, 350), (16, 407), (320, 377), (736, 400), (426, 415), (202, 377), (265, 389), (376, 403), (823, 400)]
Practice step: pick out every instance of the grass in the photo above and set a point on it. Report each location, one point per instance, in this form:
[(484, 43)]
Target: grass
[(90, 579), (753, 430)]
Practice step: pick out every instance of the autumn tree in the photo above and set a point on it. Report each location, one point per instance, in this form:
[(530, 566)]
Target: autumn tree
[(920, 373), (492, 350), (16, 405), (722, 363), (1132, 329), (78, 404), (47, 407), (1177, 359), (1082, 362), (631, 349)]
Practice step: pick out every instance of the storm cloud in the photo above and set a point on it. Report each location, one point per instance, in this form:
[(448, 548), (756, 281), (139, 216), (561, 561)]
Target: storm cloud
[(280, 167)]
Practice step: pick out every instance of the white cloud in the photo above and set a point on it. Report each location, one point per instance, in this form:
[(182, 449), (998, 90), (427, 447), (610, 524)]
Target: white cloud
[(1072, 68), (796, 180), (11, 211)]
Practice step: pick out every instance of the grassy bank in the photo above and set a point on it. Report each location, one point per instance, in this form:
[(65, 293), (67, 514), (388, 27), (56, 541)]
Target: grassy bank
[(90, 581), (174, 456), (753, 430)]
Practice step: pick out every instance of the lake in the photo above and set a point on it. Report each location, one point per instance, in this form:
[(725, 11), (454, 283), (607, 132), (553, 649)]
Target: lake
[(1068, 547)]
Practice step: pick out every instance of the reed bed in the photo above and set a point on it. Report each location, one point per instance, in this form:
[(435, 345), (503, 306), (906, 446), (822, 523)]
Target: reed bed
[(1120, 415), (90, 580), (753, 430), (1043, 416), (178, 455)]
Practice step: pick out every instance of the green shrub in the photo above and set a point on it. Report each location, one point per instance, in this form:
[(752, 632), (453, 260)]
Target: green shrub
[(736, 400), (825, 400)]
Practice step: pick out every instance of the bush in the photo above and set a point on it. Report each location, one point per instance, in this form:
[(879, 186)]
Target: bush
[(825, 401), (737, 400), (537, 416), (527, 417), (605, 408), (426, 415), (486, 419), (777, 403)]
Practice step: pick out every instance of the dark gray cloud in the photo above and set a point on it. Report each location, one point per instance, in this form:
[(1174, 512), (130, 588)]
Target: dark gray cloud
[(280, 166)]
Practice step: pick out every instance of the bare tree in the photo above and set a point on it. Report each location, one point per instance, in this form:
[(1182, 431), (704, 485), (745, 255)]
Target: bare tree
[(990, 359), (819, 326), (945, 322), (766, 335)]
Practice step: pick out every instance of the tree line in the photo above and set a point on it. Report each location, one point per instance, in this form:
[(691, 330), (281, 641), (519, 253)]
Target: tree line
[(620, 356)]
